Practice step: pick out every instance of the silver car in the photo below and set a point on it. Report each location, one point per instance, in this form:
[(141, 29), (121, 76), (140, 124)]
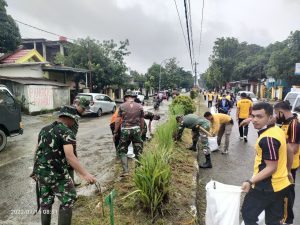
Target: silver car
[(100, 103)]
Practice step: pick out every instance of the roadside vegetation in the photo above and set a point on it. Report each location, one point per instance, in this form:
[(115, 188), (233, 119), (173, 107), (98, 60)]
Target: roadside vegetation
[(161, 190)]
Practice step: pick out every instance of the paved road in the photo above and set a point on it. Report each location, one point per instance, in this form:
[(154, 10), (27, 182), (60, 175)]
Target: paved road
[(237, 166), (95, 151)]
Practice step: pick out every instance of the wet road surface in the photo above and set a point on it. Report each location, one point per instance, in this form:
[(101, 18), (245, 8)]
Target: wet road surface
[(95, 151), (237, 166)]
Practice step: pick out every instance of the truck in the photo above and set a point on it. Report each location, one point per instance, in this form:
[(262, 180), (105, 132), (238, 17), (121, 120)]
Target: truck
[(293, 97), (10, 116)]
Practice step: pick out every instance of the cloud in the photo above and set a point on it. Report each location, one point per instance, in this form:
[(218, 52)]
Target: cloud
[(152, 27)]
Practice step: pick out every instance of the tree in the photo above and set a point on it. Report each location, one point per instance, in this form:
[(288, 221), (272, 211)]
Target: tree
[(105, 60), (10, 37)]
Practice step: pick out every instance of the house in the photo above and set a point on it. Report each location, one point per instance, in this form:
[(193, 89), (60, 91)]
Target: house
[(38, 85), (48, 49)]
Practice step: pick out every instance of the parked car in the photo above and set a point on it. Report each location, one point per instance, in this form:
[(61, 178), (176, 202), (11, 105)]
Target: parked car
[(140, 96), (100, 103), (294, 98), (248, 93), (10, 119)]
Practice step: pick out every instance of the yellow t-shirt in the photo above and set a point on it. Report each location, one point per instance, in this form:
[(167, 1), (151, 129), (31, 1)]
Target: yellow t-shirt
[(218, 119), (291, 129), (271, 145), (244, 106), (228, 97), (210, 97)]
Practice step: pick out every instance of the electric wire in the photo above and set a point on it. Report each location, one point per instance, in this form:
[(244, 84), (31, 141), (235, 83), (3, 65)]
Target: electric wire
[(188, 31), (180, 22), (201, 28), (191, 29), (49, 32)]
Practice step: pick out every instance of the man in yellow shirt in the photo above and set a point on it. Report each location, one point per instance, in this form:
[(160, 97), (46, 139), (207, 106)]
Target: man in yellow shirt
[(220, 124), (243, 111), (210, 98), (270, 183), (291, 127)]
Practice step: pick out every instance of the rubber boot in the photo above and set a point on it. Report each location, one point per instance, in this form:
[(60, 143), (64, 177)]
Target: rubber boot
[(207, 163), (193, 146), (45, 218), (64, 216), (124, 162)]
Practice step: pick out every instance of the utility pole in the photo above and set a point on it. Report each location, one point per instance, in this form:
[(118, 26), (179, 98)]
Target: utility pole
[(195, 81), (90, 68)]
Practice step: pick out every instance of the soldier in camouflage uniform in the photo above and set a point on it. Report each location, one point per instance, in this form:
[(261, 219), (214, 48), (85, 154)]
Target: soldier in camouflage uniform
[(149, 116), (132, 116), (199, 137), (54, 153)]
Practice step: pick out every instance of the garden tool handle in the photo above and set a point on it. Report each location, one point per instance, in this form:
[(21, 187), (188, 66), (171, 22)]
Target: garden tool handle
[(205, 131)]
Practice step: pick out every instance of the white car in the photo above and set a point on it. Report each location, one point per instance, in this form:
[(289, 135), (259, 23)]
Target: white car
[(140, 96), (294, 98), (248, 93), (99, 103)]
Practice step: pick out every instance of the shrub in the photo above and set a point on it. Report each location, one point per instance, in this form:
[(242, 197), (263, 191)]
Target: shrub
[(193, 94), (186, 102)]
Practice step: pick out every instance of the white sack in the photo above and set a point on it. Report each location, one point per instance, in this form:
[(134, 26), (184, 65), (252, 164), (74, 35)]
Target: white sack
[(223, 204), (213, 143)]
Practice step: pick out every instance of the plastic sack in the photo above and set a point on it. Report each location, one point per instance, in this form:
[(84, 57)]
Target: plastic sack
[(261, 219), (213, 110), (213, 144), (223, 204)]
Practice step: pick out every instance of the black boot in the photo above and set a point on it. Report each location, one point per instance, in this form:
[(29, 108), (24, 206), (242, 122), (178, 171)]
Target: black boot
[(64, 216), (193, 146), (46, 217), (207, 163)]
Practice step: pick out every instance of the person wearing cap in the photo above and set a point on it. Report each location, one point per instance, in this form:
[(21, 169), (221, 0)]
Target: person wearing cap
[(199, 137), (149, 116), (53, 155), (220, 124), (131, 122), (81, 105)]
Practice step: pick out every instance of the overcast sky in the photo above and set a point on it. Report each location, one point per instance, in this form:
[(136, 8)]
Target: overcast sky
[(152, 26)]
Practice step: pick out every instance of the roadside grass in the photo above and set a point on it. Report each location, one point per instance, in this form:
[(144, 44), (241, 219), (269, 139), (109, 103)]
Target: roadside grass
[(166, 175)]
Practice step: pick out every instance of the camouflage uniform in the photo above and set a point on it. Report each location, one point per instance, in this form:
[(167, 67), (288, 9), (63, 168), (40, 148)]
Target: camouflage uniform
[(194, 122), (51, 166), (130, 133)]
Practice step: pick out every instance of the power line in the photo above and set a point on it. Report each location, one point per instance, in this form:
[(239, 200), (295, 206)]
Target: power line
[(202, 16), (191, 29), (181, 26), (49, 32), (188, 32)]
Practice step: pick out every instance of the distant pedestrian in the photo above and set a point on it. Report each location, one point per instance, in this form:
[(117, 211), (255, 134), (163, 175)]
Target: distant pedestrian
[(290, 125), (269, 184), (204, 95), (244, 108), (131, 122), (220, 124), (199, 137), (53, 157), (224, 105), (210, 98)]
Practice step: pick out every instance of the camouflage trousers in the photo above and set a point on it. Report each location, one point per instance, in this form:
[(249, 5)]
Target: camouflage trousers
[(144, 133), (127, 136), (64, 190), (201, 139)]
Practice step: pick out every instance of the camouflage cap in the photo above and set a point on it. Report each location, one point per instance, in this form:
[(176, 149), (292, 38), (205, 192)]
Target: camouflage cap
[(68, 111), (130, 93), (83, 103)]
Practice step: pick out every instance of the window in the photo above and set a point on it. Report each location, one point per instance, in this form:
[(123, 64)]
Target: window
[(6, 98), (291, 97), (297, 106), (106, 98), (87, 97), (99, 98)]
